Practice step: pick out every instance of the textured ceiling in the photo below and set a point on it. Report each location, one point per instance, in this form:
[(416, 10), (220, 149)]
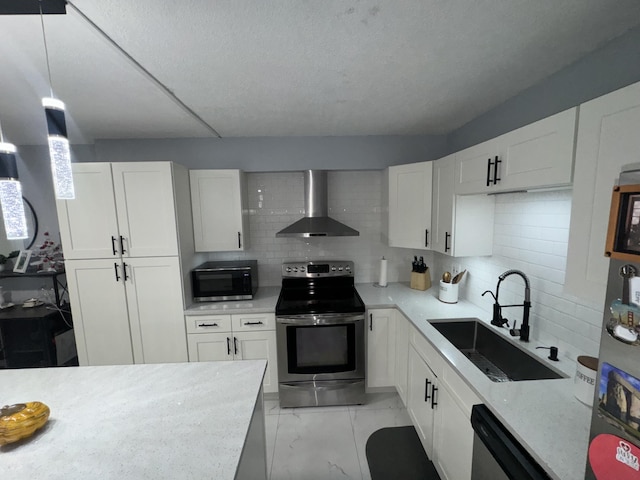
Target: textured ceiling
[(290, 67)]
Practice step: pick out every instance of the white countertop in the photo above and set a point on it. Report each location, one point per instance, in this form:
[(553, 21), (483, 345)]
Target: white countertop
[(263, 302), (543, 415), (185, 420)]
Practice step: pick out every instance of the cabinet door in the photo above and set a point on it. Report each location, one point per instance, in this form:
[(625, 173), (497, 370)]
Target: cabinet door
[(410, 205), (88, 223), (146, 208), (443, 200), (402, 356), (475, 170), (259, 346), (607, 139), (216, 199), (156, 312), (100, 317), (210, 347), (381, 347), (453, 438), (539, 154), (419, 406)]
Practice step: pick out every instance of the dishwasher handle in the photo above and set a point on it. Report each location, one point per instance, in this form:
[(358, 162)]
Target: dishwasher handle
[(512, 457)]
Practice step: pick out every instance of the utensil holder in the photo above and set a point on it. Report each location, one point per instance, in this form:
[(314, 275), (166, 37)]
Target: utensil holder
[(421, 281), (448, 292)]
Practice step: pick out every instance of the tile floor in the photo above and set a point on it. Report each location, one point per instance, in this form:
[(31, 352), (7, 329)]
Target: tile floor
[(327, 442)]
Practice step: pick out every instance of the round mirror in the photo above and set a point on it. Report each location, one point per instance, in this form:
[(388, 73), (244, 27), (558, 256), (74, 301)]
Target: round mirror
[(8, 246)]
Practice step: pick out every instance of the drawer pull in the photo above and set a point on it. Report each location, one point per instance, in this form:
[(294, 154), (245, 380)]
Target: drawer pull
[(208, 325), (254, 323)]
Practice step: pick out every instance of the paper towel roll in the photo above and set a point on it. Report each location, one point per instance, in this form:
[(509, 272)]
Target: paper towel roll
[(383, 273)]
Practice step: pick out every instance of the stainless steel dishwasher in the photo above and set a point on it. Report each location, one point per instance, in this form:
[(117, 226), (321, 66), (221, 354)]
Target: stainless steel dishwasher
[(497, 455)]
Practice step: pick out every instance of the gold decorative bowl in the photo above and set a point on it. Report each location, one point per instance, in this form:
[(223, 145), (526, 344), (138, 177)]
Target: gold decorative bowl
[(21, 420)]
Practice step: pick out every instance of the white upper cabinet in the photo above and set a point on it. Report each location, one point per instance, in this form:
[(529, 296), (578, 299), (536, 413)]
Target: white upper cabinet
[(462, 225), (475, 168), (88, 223), (146, 208), (410, 205), (121, 209), (538, 155), (219, 215), (608, 138)]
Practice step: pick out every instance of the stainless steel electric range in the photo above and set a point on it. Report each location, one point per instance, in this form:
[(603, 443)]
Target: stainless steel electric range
[(320, 330)]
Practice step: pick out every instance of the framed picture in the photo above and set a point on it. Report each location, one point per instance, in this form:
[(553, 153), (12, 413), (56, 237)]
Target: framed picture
[(623, 234), (22, 262)]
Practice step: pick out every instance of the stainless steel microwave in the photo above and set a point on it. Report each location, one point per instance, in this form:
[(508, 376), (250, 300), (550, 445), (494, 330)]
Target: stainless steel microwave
[(225, 280)]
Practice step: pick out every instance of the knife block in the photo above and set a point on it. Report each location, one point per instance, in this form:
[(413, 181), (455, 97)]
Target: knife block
[(421, 281)]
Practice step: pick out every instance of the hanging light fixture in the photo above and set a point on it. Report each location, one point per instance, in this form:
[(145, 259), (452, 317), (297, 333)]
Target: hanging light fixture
[(59, 150), (15, 223)]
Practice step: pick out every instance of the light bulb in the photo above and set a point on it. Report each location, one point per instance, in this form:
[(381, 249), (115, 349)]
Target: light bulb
[(15, 223)]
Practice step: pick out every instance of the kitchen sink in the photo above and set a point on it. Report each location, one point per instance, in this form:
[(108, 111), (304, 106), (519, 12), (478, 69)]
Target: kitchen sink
[(498, 358)]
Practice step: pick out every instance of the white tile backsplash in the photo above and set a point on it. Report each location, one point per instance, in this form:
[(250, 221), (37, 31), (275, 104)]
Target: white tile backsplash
[(531, 234), (355, 198)]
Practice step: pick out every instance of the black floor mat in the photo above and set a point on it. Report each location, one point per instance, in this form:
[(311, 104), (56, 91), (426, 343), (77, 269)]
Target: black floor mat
[(396, 453)]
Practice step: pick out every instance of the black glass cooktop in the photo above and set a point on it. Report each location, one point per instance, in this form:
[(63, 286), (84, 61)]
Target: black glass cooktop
[(318, 296)]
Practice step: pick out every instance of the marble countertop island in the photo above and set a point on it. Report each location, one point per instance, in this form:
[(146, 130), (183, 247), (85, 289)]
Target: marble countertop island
[(162, 421)]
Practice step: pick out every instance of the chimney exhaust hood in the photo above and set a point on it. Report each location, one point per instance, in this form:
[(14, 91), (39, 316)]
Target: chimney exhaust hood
[(316, 222)]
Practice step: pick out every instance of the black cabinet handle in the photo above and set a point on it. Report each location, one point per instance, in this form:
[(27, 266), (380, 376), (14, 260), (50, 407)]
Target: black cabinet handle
[(426, 389), (228, 346), (489, 163), (115, 267), (496, 179), (253, 323), (434, 389), (239, 241), (447, 236), (426, 237), (113, 245), (371, 322), (122, 250), (208, 325), (124, 270), (235, 346)]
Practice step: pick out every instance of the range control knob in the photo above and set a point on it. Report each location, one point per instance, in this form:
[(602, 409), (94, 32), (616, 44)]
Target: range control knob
[(347, 268), (333, 268), (340, 268), (288, 269)]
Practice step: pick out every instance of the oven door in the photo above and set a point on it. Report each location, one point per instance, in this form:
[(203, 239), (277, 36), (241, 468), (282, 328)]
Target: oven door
[(320, 347)]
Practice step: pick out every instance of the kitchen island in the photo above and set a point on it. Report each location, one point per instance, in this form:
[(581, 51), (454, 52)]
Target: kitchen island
[(184, 420)]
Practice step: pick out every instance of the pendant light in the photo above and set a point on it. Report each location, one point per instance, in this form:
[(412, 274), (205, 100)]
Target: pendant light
[(15, 223), (59, 150)]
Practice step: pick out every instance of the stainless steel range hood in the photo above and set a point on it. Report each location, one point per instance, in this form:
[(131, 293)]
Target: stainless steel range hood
[(316, 222)]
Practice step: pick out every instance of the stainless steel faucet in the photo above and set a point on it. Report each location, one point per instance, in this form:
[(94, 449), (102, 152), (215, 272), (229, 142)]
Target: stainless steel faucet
[(497, 319)]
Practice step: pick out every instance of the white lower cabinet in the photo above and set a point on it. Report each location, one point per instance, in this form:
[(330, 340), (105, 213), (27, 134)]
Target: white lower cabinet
[(422, 387), (381, 348), (452, 430), (439, 403), (127, 311), (235, 337), (402, 356)]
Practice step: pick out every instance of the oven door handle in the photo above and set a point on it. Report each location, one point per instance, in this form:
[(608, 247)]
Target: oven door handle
[(320, 320)]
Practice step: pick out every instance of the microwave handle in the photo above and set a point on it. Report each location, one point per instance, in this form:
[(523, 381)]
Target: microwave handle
[(239, 240)]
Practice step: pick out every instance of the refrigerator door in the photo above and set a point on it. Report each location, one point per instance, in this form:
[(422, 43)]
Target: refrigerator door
[(614, 441)]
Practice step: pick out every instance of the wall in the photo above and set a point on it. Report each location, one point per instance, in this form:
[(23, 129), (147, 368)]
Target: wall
[(609, 68), (270, 154), (531, 234), (355, 198)]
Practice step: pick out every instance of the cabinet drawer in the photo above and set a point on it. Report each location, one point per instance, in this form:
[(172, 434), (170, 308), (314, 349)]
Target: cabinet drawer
[(426, 351), (253, 321), (208, 323)]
